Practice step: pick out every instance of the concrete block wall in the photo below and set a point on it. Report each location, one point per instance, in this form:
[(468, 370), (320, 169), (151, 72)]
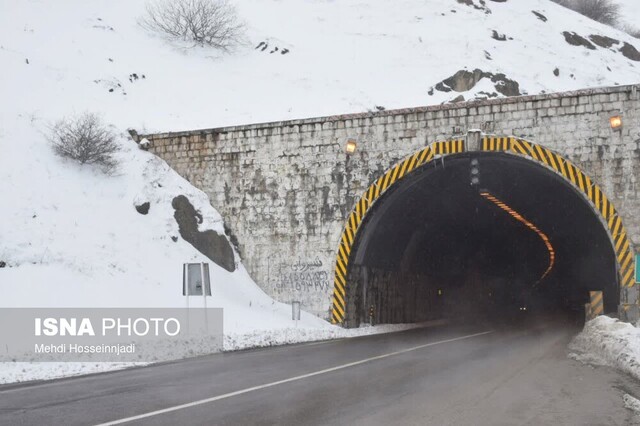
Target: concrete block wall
[(286, 188)]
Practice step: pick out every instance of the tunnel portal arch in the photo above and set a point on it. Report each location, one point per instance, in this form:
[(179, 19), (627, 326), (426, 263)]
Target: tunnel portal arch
[(582, 183)]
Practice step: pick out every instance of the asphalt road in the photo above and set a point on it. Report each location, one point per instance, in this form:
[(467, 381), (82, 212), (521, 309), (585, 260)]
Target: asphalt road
[(449, 376)]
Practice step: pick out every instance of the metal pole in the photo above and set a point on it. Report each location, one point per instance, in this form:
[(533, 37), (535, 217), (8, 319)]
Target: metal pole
[(204, 294), (185, 277)]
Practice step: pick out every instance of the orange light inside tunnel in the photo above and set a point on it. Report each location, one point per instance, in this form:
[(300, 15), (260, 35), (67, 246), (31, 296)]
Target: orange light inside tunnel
[(531, 226)]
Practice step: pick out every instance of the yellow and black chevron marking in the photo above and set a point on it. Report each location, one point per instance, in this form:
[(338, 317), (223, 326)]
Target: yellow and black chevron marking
[(581, 181), (377, 188), (597, 304)]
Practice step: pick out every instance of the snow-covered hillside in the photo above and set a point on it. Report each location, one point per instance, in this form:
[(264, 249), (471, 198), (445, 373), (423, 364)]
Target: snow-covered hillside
[(71, 236), (343, 56)]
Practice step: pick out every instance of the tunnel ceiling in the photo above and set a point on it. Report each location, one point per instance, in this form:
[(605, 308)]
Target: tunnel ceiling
[(435, 223)]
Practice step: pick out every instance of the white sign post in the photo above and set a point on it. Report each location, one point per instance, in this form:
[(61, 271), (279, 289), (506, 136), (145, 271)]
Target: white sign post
[(295, 312), (196, 282)]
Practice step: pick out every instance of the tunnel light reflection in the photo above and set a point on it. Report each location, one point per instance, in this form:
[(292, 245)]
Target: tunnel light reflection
[(518, 217)]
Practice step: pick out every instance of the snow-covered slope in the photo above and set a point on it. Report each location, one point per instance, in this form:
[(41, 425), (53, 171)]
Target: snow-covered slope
[(71, 236), (344, 56)]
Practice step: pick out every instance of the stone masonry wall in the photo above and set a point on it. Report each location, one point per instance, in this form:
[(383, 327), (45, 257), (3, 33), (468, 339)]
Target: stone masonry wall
[(285, 188)]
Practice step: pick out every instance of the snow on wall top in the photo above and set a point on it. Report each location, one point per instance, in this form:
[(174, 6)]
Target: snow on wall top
[(391, 112)]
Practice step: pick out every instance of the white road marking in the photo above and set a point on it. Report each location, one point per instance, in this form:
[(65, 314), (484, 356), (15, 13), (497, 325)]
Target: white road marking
[(273, 349), (291, 379)]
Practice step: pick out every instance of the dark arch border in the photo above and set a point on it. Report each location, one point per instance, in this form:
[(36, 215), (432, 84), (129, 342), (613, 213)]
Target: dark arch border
[(520, 147)]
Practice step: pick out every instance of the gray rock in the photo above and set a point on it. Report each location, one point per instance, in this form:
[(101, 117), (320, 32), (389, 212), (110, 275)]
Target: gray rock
[(575, 39), (143, 208), (213, 245)]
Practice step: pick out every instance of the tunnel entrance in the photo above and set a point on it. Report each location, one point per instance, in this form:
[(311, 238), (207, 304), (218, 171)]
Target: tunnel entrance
[(523, 242)]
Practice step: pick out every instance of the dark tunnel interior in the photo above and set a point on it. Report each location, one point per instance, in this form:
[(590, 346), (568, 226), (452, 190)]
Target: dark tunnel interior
[(433, 247)]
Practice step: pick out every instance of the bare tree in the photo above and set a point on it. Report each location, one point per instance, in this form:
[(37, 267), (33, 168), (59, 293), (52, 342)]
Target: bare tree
[(632, 31), (212, 23), (604, 11), (86, 140)]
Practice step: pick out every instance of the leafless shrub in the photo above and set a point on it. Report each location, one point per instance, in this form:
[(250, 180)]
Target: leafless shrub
[(86, 140), (604, 11), (213, 23), (632, 31)]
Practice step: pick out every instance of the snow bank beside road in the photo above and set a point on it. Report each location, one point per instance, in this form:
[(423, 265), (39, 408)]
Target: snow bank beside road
[(608, 341)]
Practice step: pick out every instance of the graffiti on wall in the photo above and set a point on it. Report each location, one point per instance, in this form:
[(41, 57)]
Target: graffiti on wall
[(302, 275)]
